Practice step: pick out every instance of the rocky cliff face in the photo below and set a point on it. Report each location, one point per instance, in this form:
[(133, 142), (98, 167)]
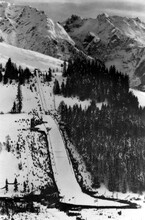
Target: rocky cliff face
[(118, 41), (115, 40), (28, 28)]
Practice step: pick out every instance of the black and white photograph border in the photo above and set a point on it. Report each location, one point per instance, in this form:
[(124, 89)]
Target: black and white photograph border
[(72, 109)]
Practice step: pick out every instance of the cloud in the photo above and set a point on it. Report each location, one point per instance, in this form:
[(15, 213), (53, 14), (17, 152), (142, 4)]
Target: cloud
[(130, 8), (43, 1), (89, 8)]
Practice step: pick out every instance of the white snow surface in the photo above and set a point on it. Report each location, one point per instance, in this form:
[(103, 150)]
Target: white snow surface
[(9, 92), (140, 95), (28, 58), (7, 98)]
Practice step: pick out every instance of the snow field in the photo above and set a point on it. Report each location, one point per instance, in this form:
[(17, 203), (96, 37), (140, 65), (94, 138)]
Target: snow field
[(9, 93), (45, 214), (140, 95), (28, 156), (30, 100), (116, 214), (7, 97), (27, 58), (87, 214)]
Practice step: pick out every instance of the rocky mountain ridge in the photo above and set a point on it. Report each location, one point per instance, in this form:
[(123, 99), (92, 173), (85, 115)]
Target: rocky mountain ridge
[(29, 28), (116, 40)]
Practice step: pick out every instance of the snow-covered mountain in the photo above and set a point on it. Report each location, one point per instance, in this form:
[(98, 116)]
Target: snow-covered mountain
[(113, 39), (29, 28)]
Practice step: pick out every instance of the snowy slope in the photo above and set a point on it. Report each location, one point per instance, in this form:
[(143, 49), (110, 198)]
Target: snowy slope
[(41, 177), (140, 95), (21, 161), (28, 58)]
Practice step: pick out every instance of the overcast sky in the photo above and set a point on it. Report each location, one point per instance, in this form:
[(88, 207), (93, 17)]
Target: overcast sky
[(91, 8), (81, 1)]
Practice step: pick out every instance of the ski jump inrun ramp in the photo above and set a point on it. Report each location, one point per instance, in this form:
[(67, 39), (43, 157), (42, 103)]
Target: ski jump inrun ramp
[(69, 189)]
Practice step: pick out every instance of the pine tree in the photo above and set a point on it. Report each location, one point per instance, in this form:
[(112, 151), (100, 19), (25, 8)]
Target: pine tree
[(14, 108), (18, 147), (63, 88), (24, 186), (21, 78), (14, 71), (49, 78), (56, 88), (124, 187), (6, 185), (27, 73), (15, 185), (11, 70), (5, 79), (64, 72), (19, 98), (8, 68), (96, 183), (1, 67), (1, 76)]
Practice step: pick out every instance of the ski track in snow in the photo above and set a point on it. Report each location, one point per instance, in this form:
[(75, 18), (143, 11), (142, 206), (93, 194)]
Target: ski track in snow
[(64, 175), (67, 188)]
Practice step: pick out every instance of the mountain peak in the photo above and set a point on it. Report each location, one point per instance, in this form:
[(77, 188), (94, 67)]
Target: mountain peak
[(113, 39), (73, 19), (138, 20), (102, 16), (29, 28)]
